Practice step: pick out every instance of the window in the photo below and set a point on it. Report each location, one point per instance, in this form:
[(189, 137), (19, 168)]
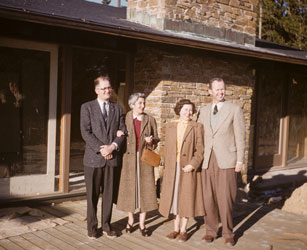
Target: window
[(28, 92)]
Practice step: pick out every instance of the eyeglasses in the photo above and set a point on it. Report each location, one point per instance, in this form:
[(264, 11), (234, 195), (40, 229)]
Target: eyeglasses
[(106, 88)]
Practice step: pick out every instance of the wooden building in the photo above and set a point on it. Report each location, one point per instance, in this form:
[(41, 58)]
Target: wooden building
[(50, 49)]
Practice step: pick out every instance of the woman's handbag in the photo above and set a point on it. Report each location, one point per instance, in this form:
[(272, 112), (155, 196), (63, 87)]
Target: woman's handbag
[(151, 158)]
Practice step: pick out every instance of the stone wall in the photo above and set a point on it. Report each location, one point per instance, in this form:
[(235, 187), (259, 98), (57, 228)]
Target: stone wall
[(168, 74), (147, 12), (230, 20)]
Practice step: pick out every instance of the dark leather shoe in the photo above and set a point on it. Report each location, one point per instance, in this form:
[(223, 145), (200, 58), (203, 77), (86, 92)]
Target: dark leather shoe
[(229, 242), (183, 237), (92, 236), (173, 235), (208, 238), (110, 234)]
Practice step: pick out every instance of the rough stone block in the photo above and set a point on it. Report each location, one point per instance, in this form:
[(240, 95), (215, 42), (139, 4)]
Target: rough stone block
[(248, 39), (171, 25), (141, 4), (187, 27), (198, 28), (223, 1), (238, 37), (237, 28), (240, 22), (225, 8), (216, 32), (139, 17), (235, 3), (130, 14), (250, 30), (170, 2), (168, 99), (146, 19), (152, 3)]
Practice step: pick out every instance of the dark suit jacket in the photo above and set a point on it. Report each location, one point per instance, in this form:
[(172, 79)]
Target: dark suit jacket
[(96, 133)]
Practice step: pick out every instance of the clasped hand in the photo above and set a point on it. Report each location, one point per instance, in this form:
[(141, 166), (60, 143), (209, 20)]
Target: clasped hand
[(106, 151)]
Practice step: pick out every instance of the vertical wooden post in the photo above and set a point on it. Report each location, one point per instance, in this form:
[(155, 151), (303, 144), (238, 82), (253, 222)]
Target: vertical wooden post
[(286, 121), (66, 83), (285, 141)]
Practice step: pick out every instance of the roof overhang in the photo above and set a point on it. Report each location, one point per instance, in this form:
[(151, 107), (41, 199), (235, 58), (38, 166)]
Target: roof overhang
[(124, 28)]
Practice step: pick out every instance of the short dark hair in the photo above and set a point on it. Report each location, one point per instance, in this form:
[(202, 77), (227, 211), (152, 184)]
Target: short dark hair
[(218, 79), (180, 104), (101, 77)]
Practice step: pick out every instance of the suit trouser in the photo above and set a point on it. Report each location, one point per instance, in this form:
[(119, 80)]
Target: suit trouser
[(219, 191), (99, 180)]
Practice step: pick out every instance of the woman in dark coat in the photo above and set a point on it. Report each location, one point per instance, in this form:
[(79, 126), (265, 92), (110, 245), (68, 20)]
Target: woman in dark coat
[(137, 190), (181, 187)]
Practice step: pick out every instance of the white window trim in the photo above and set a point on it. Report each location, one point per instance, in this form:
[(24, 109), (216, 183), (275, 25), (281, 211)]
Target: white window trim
[(37, 184)]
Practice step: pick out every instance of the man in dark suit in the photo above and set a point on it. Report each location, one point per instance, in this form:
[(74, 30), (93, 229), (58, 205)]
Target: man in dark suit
[(99, 121)]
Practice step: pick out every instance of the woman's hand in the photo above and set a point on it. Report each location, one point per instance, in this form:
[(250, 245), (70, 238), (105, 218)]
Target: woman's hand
[(148, 140), (119, 133), (188, 168)]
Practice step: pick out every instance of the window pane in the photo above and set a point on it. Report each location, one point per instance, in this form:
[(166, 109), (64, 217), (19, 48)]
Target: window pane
[(297, 149), (24, 81), (269, 114)]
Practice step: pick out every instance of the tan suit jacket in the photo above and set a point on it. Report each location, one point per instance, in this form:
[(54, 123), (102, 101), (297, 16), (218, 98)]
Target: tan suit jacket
[(228, 138)]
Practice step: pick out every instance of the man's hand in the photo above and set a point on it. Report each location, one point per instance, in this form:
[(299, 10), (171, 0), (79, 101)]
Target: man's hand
[(188, 168), (108, 157), (239, 167), (106, 150), (120, 133)]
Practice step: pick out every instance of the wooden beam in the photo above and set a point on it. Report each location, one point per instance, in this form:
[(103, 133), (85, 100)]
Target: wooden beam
[(66, 84), (285, 141)]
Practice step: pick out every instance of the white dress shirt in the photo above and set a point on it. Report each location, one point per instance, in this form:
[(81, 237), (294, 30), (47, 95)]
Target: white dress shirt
[(101, 105), (107, 109), (219, 106), (139, 117)]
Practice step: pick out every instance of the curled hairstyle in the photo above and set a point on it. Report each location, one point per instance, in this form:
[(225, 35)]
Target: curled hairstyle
[(218, 79), (134, 97), (101, 77), (180, 104)]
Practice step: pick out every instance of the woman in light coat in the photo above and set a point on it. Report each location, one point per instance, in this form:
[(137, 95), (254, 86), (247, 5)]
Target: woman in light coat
[(137, 189), (181, 187)]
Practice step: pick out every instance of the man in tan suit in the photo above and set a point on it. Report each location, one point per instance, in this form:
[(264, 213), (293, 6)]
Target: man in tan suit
[(224, 154)]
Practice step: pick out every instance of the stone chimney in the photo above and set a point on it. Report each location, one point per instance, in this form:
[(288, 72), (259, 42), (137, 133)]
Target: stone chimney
[(227, 20)]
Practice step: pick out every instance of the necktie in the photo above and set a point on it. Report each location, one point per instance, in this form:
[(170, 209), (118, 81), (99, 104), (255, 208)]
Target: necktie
[(105, 114), (215, 110)]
